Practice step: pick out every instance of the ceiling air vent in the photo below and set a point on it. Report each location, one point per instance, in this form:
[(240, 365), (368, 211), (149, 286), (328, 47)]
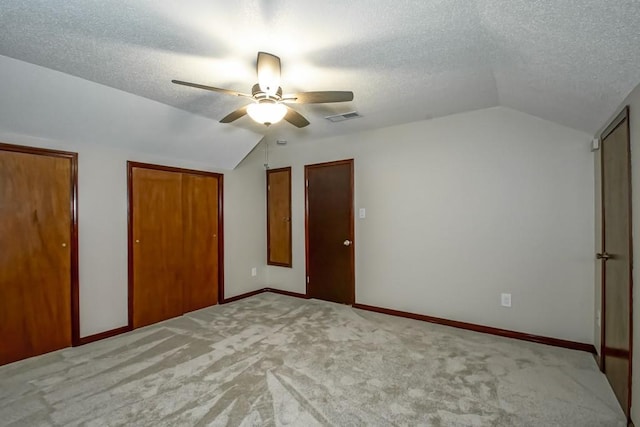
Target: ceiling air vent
[(343, 117)]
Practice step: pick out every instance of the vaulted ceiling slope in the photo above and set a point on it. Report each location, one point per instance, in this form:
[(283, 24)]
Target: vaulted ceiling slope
[(571, 62)]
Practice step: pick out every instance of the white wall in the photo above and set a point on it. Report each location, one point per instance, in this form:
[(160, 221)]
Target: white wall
[(460, 209), (245, 225), (633, 101), (102, 226)]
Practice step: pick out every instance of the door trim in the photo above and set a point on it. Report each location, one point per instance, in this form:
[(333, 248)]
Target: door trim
[(615, 123), (624, 114), (73, 231), (352, 290), (219, 177)]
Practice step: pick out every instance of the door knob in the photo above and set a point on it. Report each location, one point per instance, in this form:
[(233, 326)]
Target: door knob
[(64, 245), (347, 242), (604, 256)]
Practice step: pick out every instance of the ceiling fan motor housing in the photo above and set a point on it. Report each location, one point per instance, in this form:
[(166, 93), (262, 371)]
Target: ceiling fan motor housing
[(259, 95)]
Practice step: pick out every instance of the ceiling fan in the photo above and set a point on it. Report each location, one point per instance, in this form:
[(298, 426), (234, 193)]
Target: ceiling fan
[(268, 105)]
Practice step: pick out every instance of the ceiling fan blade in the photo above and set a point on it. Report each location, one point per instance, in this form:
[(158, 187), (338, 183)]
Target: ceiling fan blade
[(234, 115), (211, 88), (318, 97), (268, 70), (296, 118)]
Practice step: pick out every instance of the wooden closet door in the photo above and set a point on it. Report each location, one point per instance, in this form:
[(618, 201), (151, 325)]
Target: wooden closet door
[(157, 245), (616, 256), (200, 222), (35, 254)]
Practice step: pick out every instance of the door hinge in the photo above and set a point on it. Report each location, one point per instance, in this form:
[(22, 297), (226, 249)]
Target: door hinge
[(268, 188), (307, 279), (307, 183)]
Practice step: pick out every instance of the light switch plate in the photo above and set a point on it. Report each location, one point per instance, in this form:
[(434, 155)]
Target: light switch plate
[(362, 213)]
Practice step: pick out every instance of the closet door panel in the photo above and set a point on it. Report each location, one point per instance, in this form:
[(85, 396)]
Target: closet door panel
[(35, 255), (157, 245), (200, 221)]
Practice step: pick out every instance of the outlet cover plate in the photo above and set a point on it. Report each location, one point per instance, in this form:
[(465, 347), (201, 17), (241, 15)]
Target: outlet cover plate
[(505, 300)]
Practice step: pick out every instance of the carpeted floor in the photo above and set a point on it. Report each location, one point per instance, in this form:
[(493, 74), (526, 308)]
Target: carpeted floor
[(277, 360)]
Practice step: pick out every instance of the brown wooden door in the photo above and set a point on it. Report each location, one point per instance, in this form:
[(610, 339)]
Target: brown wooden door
[(329, 231), (279, 217), (200, 225), (157, 233), (617, 255), (35, 254)]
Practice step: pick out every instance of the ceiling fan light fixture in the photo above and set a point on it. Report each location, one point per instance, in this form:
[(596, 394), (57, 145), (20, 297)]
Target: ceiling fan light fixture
[(267, 113)]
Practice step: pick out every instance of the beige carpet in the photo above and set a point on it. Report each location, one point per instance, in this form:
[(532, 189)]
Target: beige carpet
[(276, 360)]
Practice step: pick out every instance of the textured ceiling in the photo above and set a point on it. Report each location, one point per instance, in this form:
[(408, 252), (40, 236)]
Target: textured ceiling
[(570, 61)]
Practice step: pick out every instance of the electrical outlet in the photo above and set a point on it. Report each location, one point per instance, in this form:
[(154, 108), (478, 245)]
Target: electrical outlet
[(505, 300), (254, 272), (362, 213)]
